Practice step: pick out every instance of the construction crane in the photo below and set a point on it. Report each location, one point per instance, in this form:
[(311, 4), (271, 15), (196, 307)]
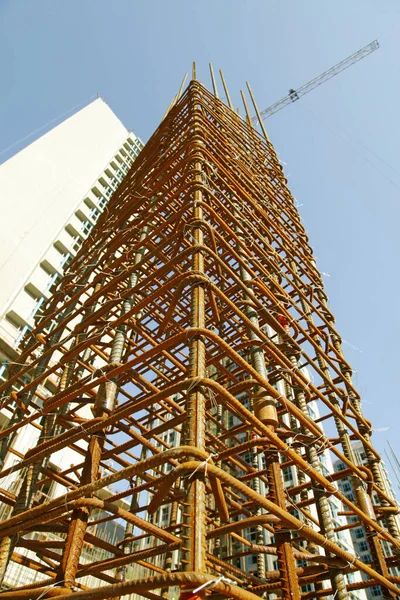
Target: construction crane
[(295, 95)]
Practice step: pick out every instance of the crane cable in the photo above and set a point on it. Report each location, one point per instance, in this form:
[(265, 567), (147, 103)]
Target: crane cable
[(331, 127), (81, 104)]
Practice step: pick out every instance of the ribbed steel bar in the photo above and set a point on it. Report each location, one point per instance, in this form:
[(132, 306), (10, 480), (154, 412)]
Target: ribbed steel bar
[(186, 393)]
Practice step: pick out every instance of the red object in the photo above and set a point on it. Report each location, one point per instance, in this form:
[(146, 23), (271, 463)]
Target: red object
[(283, 322)]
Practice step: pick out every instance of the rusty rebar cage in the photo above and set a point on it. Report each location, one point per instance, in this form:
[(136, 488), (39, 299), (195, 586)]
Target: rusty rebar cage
[(178, 360)]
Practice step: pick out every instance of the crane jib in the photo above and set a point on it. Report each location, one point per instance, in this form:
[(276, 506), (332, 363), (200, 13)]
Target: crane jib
[(294, 95)]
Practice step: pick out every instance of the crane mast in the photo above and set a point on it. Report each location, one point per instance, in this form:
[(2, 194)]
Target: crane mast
[(295, 95)]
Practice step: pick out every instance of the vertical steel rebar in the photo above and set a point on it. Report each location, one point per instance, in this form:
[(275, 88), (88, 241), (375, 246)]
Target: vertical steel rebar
[(195, 504), (195, 320)]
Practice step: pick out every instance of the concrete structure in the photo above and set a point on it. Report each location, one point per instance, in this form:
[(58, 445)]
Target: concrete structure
[(52, 194), (358, 534)]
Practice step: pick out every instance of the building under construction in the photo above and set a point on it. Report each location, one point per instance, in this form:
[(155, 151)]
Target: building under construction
[(187, 361)]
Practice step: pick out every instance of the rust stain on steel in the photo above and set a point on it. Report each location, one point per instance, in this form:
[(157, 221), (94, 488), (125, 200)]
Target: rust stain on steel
[(186, 341)]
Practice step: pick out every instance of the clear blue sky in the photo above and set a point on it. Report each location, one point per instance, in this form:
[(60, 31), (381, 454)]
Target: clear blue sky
[(340, 143)]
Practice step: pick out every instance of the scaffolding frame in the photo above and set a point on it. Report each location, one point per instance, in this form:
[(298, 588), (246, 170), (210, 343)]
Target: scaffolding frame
[(191, 331)]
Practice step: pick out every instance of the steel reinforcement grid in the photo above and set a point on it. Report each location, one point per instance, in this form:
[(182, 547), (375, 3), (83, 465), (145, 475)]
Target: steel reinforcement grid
[(189, 364)]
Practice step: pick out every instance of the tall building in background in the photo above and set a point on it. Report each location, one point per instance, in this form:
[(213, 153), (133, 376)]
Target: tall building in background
[(247, 562), (52, 194), (358, 533)]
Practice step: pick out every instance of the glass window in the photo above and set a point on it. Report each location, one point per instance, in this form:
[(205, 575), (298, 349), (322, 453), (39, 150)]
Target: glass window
[(77, 245), (363, 546), (101, 202), (376, 591), (333, 510), (65, 259), (94, 214), (367, 558), (352, 519), (359, 533), (301, 563), (311, 412), (287, 474), (324, 470), (247, 457), (86, 228), (3, 367)]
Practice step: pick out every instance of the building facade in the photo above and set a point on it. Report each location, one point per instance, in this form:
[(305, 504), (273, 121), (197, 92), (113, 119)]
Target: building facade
[(241, 555), (53, 193), (358, 533)]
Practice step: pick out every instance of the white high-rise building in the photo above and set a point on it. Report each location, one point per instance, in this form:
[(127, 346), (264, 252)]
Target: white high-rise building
[(52, 193)]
